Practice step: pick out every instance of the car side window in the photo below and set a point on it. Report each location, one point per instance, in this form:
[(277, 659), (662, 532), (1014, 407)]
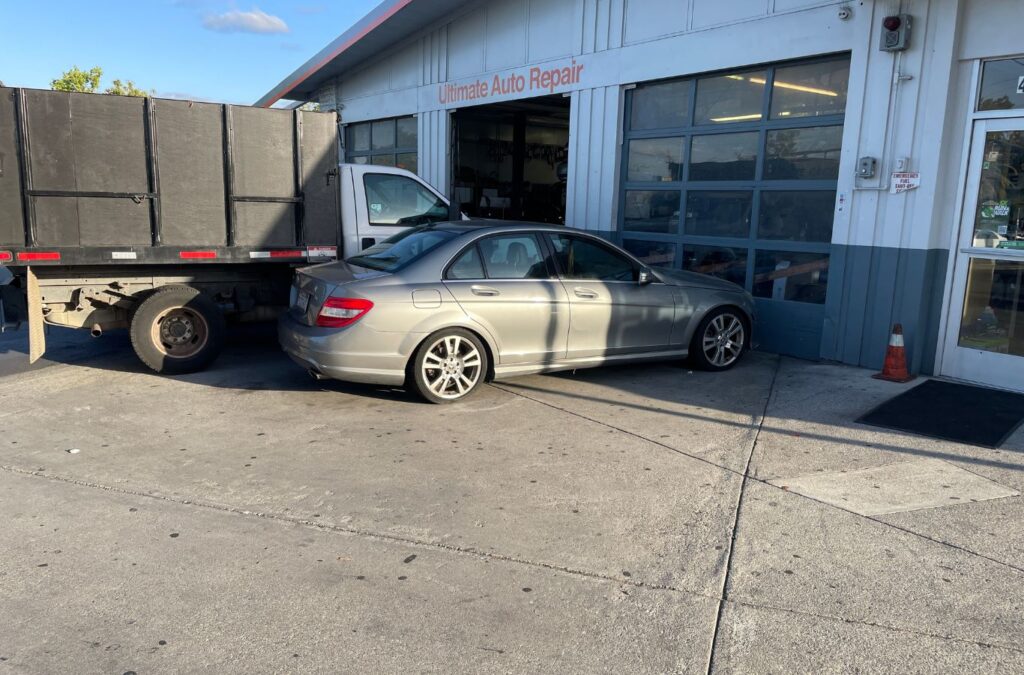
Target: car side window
[(582, 259), (467, 265), (399, 200), (513, 256)]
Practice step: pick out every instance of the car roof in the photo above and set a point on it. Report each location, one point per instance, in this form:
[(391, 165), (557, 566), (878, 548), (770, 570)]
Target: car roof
[(494, 225)]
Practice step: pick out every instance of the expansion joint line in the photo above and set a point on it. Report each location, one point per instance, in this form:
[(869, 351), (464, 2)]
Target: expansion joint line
[(726, 578)]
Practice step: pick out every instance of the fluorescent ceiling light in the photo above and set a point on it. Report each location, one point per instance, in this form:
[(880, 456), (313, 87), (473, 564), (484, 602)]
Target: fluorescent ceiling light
[(737, 118), (786, 85)]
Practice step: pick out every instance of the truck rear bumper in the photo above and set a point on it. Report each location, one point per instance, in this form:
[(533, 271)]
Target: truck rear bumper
[(353, 354)]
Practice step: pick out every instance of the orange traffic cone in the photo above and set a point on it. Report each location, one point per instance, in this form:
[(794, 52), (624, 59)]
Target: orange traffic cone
[(895, 368)]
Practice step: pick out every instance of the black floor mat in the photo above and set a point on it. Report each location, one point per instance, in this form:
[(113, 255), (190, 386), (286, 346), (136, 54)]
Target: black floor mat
[(952, 412)]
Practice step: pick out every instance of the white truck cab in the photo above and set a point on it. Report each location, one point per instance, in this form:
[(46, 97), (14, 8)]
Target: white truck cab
[(379, 201)]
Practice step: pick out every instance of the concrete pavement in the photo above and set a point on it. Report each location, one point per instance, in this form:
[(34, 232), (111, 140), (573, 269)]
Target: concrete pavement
[(627, 519)]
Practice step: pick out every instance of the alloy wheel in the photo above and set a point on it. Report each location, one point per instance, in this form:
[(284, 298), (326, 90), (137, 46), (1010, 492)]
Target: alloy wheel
[(452, 367), (723, 340)]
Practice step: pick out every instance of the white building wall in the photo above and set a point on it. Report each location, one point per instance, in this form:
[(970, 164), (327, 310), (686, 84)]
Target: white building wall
[(594, 131)]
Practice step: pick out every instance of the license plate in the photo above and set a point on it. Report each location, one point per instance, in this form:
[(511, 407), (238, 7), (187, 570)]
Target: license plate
[(302, 301)]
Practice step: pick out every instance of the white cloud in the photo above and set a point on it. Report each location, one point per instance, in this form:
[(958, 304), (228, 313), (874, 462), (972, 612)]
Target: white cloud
[(253, 21)]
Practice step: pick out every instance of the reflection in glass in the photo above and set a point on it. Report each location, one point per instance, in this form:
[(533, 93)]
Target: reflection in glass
[(797, 215), (787, 275), (655, 159), (406, 137), (382, 160), (993, 319), (999, 221), (651, 211), (407, 161), (738, 97), (810, 90), (383, 135), (803, 154), (653, 253), (724, 156), (718, 261), (660, 106), (359, 137), (999, 83), (718, 213)]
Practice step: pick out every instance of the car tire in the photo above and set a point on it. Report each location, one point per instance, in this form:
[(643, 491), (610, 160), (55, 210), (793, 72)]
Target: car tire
[(177, 330), (449, 366), (720, 339)]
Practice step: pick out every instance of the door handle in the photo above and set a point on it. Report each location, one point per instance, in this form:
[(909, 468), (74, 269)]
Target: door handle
[(484, 290), (585, 293)]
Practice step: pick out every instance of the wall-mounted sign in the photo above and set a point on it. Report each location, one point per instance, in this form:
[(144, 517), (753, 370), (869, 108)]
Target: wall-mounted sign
[(536, 80), (903, 181)]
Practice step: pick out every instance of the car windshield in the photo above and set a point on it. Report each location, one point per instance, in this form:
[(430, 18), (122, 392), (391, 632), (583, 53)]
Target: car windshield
[(403, 248)]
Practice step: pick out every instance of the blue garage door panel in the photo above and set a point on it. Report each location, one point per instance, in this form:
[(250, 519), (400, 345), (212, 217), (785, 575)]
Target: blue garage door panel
[(792, 328)]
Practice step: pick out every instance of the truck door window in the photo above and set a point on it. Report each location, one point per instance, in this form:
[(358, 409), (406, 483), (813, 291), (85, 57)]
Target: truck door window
[(400, 200)]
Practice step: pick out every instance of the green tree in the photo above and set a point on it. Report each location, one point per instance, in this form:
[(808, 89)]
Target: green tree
[(88, 81), (126, 88), (76, 79)]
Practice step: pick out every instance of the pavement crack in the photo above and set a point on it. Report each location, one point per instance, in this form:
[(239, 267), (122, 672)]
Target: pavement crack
[(498, 557), (744, 475), (724, 592), (873, 624)]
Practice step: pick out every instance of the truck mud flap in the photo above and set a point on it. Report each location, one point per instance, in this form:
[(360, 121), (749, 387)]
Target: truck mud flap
[(36, 334)]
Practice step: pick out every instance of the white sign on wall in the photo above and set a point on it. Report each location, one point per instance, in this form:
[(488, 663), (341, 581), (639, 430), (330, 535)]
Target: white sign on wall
[(903, 181)]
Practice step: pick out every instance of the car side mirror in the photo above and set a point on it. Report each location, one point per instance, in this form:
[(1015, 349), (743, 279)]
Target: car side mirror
[(644, 277)]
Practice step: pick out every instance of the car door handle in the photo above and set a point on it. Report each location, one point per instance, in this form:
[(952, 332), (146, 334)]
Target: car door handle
[(484, 290), (585, 293)]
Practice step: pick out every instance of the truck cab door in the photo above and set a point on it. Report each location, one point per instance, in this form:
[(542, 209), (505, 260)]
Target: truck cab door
[(383, 202)]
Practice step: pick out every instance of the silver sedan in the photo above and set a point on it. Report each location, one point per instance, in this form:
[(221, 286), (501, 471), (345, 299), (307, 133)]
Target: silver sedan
[(445, 307)]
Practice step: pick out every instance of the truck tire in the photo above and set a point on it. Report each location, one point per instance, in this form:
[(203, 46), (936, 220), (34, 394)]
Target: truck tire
[(177, 330)]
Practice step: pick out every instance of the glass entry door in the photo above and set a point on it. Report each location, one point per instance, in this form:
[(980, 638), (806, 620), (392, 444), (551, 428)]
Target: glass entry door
[(984, 339)]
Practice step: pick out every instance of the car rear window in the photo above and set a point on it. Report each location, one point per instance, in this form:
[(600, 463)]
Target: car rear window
[(405, 247)]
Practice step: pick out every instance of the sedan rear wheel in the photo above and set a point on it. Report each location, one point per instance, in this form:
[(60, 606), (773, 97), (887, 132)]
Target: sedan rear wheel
[(720, 339), (449, 365)]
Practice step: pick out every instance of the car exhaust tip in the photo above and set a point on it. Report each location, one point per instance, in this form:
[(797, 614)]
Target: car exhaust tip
[(96, 331), (315, 374)]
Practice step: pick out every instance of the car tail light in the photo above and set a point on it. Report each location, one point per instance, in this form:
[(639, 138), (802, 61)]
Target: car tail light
[(341, 312), (6, 257)]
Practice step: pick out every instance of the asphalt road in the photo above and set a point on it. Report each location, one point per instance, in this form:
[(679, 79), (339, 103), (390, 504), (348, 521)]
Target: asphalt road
[(624, 520)]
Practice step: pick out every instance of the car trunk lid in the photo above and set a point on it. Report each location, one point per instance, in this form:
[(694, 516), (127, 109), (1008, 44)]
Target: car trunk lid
[(313, 285)]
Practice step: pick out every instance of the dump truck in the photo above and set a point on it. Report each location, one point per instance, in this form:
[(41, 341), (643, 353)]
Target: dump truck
[(170, 217)]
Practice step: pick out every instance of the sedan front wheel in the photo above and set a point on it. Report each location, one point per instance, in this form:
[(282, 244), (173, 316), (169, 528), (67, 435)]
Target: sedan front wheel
[(720, 339), (449, 365)]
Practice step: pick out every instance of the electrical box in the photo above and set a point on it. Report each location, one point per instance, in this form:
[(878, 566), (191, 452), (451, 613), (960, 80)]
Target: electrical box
[(866, 167), (895, 33)]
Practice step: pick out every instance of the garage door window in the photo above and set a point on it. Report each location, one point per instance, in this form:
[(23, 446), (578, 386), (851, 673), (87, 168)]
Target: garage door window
[(734, 174), (389, 142)]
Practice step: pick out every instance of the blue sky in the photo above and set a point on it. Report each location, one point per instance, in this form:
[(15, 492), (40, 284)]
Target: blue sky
[(218, 50)]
